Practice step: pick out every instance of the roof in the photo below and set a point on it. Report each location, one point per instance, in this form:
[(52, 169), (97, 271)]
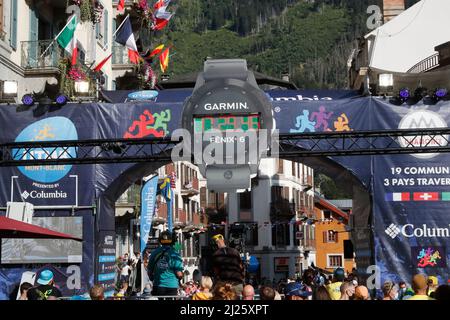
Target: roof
[(188, 81), (342, 203), (10, 228), (324, 204), (411, 36)]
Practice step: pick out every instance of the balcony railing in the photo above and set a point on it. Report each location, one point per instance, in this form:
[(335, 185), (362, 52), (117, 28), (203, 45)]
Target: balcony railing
[(42, 54), (120, 55), (426, 64)]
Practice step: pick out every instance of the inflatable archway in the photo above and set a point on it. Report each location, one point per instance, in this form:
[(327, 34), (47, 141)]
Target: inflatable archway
[(400, 200)]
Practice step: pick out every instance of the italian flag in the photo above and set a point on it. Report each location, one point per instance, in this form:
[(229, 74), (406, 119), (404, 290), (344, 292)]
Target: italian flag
[(66, 38)]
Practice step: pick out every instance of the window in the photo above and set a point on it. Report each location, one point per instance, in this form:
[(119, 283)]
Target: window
[(280, 234), (334, 261), (330, 236), (13, 31), (245, 200)]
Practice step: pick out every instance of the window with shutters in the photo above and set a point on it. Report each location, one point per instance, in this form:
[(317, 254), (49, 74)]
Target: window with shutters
[(334, 261), (330, 236), (106, 28)]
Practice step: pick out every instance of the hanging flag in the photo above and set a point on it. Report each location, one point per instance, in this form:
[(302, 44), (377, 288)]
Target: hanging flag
[(134, 56), (159, 24), (157, 50), (102, 63), (66, 38), (166, 191), (164, 60), (160, 4), (121, 5), (148, 201), (74, 50), (125, 35)]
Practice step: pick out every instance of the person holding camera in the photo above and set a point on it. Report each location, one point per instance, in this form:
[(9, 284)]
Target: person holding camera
[(227, 265), (165, 267)]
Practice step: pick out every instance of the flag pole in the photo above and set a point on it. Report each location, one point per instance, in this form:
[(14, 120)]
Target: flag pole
[(69, 21), (114, 34)]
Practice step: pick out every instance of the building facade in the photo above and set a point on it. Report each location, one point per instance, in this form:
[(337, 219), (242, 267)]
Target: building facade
[(275, 212), (30, 56), (332, 235)]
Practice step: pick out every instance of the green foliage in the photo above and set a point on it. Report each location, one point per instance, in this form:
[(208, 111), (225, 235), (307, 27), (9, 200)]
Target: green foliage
[(86, 11), (329, 189), (310, 39)]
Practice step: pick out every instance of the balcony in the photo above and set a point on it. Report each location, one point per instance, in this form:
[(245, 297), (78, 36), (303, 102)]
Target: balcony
[(190, 188), (41, 55), (282, 210), (120, 57)]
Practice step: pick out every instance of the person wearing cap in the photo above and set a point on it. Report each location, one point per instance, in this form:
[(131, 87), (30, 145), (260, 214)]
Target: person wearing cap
[(227, 265), (296, 291), (45, 288), (433, 284), (165, 267), (334, 288), (419, 285)]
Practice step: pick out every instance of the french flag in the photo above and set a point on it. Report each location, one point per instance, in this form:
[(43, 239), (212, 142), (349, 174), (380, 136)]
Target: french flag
[(125, 35), (397, 196)]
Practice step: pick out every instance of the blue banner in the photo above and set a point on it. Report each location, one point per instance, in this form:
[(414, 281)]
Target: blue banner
[(148, 201)]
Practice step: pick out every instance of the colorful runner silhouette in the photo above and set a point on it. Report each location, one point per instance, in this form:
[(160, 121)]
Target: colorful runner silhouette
[(342, 123), (147, 126), (303, 123), (321, 118)]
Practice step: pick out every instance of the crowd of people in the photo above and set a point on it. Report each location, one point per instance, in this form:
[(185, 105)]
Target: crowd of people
[(227, 281)]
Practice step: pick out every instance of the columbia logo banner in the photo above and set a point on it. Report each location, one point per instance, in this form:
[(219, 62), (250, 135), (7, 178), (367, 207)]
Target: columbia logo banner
[(392, 231)]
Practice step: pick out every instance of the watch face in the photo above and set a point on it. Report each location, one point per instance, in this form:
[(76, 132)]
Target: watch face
[(227, 123)]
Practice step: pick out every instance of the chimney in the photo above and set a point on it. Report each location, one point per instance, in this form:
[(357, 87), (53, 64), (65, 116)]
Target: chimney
[(392, 8)]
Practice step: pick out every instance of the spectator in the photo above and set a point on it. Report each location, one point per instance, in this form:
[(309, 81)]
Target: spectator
[(308, 280), (402, 290), (248, 293), (432, 285), (165, 267), (321, 293), (334, 288), (45, 289), (97, 293), (267, 293), (362, 293), (227, 264), (390, 292), (419, 285), (125, 271), (277, 296), (347, 291), (224, 291), (442, 293), (123, 289), (205, 288), (296, 291), (24, 287)]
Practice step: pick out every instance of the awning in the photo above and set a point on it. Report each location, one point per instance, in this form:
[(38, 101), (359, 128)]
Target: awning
[(10, 228)]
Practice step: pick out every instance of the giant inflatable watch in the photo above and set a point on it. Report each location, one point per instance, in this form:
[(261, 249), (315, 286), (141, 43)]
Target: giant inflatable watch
[(230, 120)]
